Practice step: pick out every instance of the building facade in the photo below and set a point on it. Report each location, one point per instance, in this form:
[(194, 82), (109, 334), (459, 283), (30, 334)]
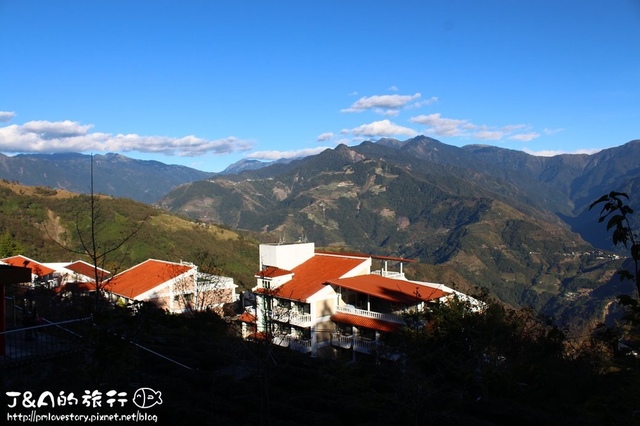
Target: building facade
[(313, 301)]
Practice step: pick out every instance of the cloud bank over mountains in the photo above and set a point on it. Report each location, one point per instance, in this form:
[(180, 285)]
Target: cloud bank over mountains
[(70, 136)]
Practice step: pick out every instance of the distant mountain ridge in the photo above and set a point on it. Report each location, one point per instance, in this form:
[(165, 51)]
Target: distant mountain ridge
[(502, 219), (114, 174), (249, 164)]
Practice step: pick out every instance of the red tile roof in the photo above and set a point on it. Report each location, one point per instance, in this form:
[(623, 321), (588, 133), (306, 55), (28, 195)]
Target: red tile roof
[(398, 291), (36, 268), (309, 277), (365, 322), (272, 272), (75, 287), (86, 269), (144, 277), (247, 317)]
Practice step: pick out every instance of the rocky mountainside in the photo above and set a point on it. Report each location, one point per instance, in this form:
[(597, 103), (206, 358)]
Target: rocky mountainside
[(114, 174)]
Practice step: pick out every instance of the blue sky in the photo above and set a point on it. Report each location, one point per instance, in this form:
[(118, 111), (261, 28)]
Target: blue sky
[(206, 83)]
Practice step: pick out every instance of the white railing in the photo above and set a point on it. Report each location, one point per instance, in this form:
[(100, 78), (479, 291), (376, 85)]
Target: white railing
[(300, 345), (341, 341), (364, 346), (389, 274), (348, 309), (299, 319), (280, 314), (281, 340)]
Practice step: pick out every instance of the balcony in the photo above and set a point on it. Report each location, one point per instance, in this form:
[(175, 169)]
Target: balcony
[(349, 309), (285, 315)]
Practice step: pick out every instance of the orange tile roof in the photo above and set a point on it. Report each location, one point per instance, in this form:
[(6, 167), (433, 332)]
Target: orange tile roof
[(272, 272), (365, 322), (36, 268), (247, 317), (398, 291), (86, 269), (145, 276), (309, 277), (79, 287)]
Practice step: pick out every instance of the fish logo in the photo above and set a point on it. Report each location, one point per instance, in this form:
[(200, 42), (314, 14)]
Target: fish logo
[(147, 398)]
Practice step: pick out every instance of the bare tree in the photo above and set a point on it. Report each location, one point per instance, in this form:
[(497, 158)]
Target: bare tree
[(92, 243), (210, 289)]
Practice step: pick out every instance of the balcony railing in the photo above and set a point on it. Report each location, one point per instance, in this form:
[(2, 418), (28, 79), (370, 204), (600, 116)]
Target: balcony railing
[(297, 318), (364, 345), (292, 317), (389, 274), (342, 341), (281, 340), (348, 309), (300, 345)]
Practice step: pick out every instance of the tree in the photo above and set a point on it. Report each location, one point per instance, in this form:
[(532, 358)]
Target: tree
[(205, 289), (618, 213), (616, 209), (92, 230), (9, 246)]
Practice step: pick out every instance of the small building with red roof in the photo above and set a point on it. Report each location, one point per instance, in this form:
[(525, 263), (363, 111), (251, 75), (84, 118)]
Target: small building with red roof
[(81, 271), (176, 287), (169, 285), (40, 273)]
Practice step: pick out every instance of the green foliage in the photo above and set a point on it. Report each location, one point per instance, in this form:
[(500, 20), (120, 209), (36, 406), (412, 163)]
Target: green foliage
[(9, 246), (61, 216), (618, 213), (462, 357)]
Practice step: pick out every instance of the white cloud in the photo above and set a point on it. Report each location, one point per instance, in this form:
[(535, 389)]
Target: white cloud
[(393, 88), (551, 153), (489, 135), (552, 131), (443, 126), (6, 116), (278, 155), (381, 102), (432, 100), (525, 137), (326, 136), (70, 136), (55, 129), (381, 128)]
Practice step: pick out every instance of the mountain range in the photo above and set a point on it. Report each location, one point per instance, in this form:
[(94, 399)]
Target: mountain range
[(516, 224), (114, 174)]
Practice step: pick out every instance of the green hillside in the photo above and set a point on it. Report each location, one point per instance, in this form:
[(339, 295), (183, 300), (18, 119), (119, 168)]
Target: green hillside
[(44, 224)]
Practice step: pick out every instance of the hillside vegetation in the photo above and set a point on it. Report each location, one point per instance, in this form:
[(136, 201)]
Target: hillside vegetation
[(42, 224)]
